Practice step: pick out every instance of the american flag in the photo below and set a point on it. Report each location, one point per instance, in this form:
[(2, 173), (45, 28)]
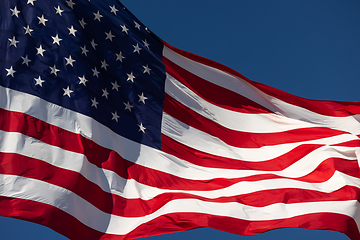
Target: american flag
[(108, 132)]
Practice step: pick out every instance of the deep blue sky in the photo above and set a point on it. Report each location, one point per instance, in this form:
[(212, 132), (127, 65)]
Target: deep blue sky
[(310, 48)]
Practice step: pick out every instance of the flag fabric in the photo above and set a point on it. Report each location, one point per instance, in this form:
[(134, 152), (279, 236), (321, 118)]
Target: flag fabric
[(107, 132)]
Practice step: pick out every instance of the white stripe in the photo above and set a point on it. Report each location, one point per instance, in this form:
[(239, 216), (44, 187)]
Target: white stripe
[(219, 78), (130, 189), (255, 123), (108, 181), (77, 123), (336, 182), (167, 163), (350, 124), (138, 153), (56, 115), (144, 155), (35, 190), (12, 142), (204, 142)]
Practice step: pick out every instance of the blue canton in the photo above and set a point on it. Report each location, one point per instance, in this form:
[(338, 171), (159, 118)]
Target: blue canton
[(92, 57)]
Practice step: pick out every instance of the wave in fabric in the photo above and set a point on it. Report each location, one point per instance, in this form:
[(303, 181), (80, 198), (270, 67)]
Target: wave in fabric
[(108, 132)]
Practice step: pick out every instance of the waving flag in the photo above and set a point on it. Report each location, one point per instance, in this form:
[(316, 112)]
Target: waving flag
[(108, 132)]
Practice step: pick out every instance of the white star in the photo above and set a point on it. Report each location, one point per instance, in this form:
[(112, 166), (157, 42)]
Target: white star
[(42, 20), (82, 23), (84, 50), (95, 71), (137, 48), (13, 42), (94, 103), (67, 91), (54, 70), (104, 64), (15, 12), (131, 77), (115, 116), (142, 128), (93, 44), (10, 71), (26, 60), (97, 16), (28, 30), (109, 36), (115, 86), (31, 1), (39, 81), (142, 98), (59, 10), (137, 25), (72, 30), (70, 4), (40, 50), (124, 28), (105, 93), (83, 80), (147, 69), (56, 39), (113, 9), (69, 61), (146, 44), (128, 106), (119, 57)]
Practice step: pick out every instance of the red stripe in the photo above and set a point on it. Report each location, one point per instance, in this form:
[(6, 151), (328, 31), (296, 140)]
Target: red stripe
[(204, 159), (177, 222), (353, 143), (243, 139), (215, 94), (14, 164), (109, 159), (47, 133), (326, 169), (70, 227), (329, 108), (48, 216), (167, 181)]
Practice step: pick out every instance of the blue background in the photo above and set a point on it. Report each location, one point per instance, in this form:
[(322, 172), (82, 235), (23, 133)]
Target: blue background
[(310, 48)]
